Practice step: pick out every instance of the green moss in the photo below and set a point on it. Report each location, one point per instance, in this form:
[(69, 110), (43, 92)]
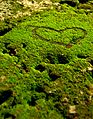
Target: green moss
[(47, 63)]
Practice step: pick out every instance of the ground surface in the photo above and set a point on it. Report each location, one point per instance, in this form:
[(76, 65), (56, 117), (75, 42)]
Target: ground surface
[(46, 65)]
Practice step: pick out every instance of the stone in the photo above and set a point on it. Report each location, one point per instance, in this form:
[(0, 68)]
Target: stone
[(72, 109)]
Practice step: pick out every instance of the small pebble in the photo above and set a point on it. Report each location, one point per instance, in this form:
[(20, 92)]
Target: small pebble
[(50, 91), (90, 68), (72, 109)]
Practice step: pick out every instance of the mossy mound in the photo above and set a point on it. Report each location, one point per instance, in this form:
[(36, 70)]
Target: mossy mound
[(46, 67)]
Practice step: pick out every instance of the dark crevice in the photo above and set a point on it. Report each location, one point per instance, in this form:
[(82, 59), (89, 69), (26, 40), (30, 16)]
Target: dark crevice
[(50, 57), (8, 115), (53, 76), (39, 89), (5, 95), (75, 101), (12, 51), (83, 1), (58, 107), (24, 45), (49, 96), (4, 31), (91, 62), (33, 1), (53, 94), (62, 59), (24, 67), (33, 100), (62, 109), (57, 59), (72, 116), (6, 45), (15, 102), (71, 3), (82, 56), (40, 67), (4, 51)]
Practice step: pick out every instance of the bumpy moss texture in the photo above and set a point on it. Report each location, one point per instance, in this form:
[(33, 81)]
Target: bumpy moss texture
[(46, 67)]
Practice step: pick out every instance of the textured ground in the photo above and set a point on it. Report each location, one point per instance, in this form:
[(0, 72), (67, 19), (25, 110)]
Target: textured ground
[(46, 65)]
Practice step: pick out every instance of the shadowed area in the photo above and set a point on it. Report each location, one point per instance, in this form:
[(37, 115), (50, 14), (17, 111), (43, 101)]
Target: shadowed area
[(71, 3), (53, 75), (9, 116), (4, 31), (62, 59), (40, 67), (5, 95)]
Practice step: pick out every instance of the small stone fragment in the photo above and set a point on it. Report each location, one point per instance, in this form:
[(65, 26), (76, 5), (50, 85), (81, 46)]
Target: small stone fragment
[(72, 109), (50, 91), (65, 100), (90, 68), (81, 92)]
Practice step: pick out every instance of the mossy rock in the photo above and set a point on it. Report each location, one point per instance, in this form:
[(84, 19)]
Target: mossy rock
[(46, 66)]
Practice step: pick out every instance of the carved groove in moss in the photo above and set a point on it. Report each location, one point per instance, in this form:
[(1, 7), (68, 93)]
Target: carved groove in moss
[(74, 40)]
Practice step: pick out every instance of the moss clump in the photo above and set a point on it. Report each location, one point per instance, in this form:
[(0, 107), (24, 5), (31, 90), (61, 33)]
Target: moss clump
[(46, 67)]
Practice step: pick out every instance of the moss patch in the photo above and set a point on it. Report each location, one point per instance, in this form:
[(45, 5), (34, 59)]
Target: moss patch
[(46, 67)]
